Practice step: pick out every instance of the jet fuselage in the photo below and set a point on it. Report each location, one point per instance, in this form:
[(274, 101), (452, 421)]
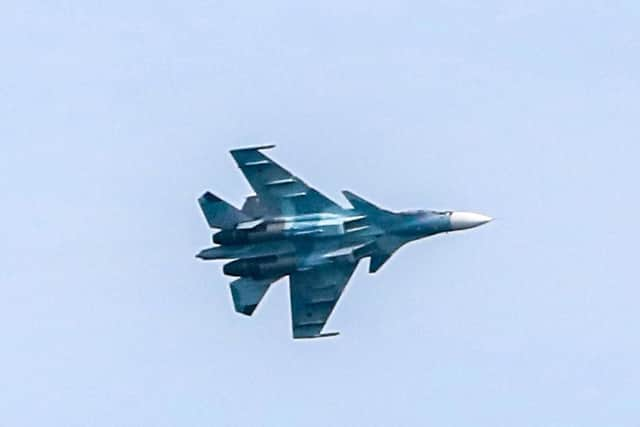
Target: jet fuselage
[(278, 246), (288, 228)]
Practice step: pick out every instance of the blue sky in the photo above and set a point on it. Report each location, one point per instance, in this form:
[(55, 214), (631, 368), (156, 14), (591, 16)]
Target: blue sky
[(116, 117)]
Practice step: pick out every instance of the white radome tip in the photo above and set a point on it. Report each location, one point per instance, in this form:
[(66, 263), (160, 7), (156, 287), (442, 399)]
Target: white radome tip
[(464, 220)]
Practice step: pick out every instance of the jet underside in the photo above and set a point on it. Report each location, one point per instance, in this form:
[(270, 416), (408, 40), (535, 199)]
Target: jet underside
[(290, 229)]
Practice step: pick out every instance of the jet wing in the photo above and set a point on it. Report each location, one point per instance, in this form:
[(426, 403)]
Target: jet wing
[(280, 192), (314, 293)]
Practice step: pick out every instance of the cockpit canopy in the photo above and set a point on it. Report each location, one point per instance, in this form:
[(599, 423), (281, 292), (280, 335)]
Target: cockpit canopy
[(415, 211), (424, 212)]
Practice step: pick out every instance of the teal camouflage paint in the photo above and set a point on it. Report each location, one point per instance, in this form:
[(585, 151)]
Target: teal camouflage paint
[(290, 229)]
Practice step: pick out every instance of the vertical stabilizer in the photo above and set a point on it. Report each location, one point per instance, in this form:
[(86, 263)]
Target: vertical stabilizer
[(253, 208)]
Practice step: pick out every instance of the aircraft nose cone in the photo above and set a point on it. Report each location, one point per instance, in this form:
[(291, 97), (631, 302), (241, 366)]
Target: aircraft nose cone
[(464, 220)]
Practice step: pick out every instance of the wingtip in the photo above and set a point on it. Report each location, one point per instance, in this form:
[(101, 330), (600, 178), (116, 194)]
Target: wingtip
[(258, 148), (329, 334), (310, 337), (209, 197)]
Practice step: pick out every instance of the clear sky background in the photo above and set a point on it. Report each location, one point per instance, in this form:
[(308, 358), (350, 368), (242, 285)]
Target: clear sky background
[(115, 116)]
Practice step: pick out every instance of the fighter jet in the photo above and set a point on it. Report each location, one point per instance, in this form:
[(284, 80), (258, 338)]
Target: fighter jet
[(290, 229)]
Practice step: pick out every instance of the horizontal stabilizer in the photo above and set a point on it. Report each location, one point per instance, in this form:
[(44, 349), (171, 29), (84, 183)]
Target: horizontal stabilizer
[(247, 293), (220, 214)]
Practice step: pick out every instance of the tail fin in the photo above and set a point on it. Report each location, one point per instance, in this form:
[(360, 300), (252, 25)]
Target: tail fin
[(365, 206), (247, 293), (220, 214), (253, 208)]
